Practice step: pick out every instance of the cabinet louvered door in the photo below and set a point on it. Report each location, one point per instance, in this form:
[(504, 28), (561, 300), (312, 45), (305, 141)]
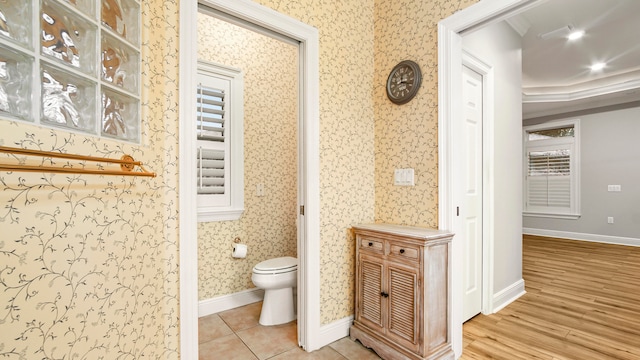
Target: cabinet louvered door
[(371, 280), (402, 301), (403, 322)]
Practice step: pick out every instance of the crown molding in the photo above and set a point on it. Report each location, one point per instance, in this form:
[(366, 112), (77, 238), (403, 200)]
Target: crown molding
[(519, 24), (628, 85)]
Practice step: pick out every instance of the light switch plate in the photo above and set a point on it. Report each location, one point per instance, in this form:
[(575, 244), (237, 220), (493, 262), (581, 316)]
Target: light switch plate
[(404, 177), (397, 177), (410, 178)]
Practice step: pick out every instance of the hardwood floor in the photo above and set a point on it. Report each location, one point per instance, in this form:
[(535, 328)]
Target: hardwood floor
[(582, 302)]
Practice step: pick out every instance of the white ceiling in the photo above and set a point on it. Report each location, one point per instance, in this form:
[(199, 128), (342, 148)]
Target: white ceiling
[(556, 76)]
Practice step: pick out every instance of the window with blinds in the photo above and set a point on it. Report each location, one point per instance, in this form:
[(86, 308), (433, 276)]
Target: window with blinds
[(220, 145), (551, 184), (210, 125), (210, 171), (549, 175)]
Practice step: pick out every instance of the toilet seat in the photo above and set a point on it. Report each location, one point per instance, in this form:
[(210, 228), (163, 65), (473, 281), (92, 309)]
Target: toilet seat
[(278, 265)]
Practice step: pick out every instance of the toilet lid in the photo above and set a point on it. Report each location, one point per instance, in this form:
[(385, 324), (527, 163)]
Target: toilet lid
[(286, 263)]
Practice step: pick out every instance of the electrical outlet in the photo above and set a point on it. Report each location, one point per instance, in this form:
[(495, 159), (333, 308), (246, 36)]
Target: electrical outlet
[(610, 220)]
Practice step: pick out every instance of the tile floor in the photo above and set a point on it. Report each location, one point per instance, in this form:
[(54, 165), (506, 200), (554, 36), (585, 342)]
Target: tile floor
[(236, 335)]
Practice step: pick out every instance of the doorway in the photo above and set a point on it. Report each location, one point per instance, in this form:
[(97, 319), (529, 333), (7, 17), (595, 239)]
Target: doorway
[(263, 134), (472, 96), (267, 156), (308, 150), (502, 207), (477, 151)]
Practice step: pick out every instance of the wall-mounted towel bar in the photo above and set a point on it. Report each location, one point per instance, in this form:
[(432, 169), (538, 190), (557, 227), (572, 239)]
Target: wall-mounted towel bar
[(127, 163)]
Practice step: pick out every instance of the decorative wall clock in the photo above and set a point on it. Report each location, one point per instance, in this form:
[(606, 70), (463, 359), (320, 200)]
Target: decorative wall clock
[(403, 82)]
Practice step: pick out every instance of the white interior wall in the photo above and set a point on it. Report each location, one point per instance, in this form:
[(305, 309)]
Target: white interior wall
[(500, 47), (610, 155)]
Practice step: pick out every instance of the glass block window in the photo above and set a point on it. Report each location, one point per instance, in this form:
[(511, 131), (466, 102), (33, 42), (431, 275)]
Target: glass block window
[(75, 65)]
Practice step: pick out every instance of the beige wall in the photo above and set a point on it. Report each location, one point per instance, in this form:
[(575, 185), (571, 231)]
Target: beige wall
[(360, 41), (346, 137), (115, 240), (407, 135), (89, 264), (268, 224)]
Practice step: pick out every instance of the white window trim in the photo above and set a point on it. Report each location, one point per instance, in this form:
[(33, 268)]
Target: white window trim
[(235, 133), (574, 212)]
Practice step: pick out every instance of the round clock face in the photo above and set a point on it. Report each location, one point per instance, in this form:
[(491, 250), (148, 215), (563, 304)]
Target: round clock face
[(403, 82)]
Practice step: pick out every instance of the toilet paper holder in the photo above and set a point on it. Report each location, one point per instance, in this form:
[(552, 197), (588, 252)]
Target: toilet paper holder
[(239, 250)]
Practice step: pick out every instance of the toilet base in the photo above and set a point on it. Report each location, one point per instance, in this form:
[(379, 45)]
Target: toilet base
[(277, 307)]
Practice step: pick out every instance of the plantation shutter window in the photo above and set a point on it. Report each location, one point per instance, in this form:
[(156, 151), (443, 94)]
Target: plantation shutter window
[(219, 142), (210, 126), (549, 177), (211, 118), (210, 171), (551, 174)]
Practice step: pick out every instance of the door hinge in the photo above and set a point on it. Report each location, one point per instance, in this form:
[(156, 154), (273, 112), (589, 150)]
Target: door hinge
[(457, 210), (301, 209)]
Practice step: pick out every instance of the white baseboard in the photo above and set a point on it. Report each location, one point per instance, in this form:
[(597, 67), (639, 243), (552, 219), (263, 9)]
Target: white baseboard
[(617, 240), (508, 295), (334, 331), (231, 301)]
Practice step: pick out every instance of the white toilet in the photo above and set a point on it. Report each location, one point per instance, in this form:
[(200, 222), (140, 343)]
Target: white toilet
[(277, 277)]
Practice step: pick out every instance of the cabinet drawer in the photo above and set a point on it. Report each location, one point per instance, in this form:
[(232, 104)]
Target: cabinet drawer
[(373, 245), (404, 251)]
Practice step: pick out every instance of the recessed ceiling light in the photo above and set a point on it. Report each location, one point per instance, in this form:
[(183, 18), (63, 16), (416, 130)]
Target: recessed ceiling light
[(575, 35), (598, 66)]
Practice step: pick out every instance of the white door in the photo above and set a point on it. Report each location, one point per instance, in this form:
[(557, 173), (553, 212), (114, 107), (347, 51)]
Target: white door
[(472, 205)]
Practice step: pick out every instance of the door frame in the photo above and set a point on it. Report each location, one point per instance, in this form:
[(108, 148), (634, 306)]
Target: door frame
[(488, 99), (309, 172), (450, 32)]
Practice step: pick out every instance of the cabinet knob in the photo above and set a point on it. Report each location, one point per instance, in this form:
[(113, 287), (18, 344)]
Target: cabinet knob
[(370, 244), (401, 251), (384, 294)]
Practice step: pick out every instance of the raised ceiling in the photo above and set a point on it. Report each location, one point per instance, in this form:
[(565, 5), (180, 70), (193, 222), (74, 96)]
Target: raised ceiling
[(556, 72)]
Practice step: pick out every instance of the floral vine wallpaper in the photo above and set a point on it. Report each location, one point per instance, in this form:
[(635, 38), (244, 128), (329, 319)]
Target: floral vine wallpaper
[(360, 42), (268, 224), (346, 138), (88, 263), (407, 135)]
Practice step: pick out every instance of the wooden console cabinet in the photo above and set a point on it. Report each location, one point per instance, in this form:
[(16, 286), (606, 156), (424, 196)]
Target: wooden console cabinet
[(402, 295)]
